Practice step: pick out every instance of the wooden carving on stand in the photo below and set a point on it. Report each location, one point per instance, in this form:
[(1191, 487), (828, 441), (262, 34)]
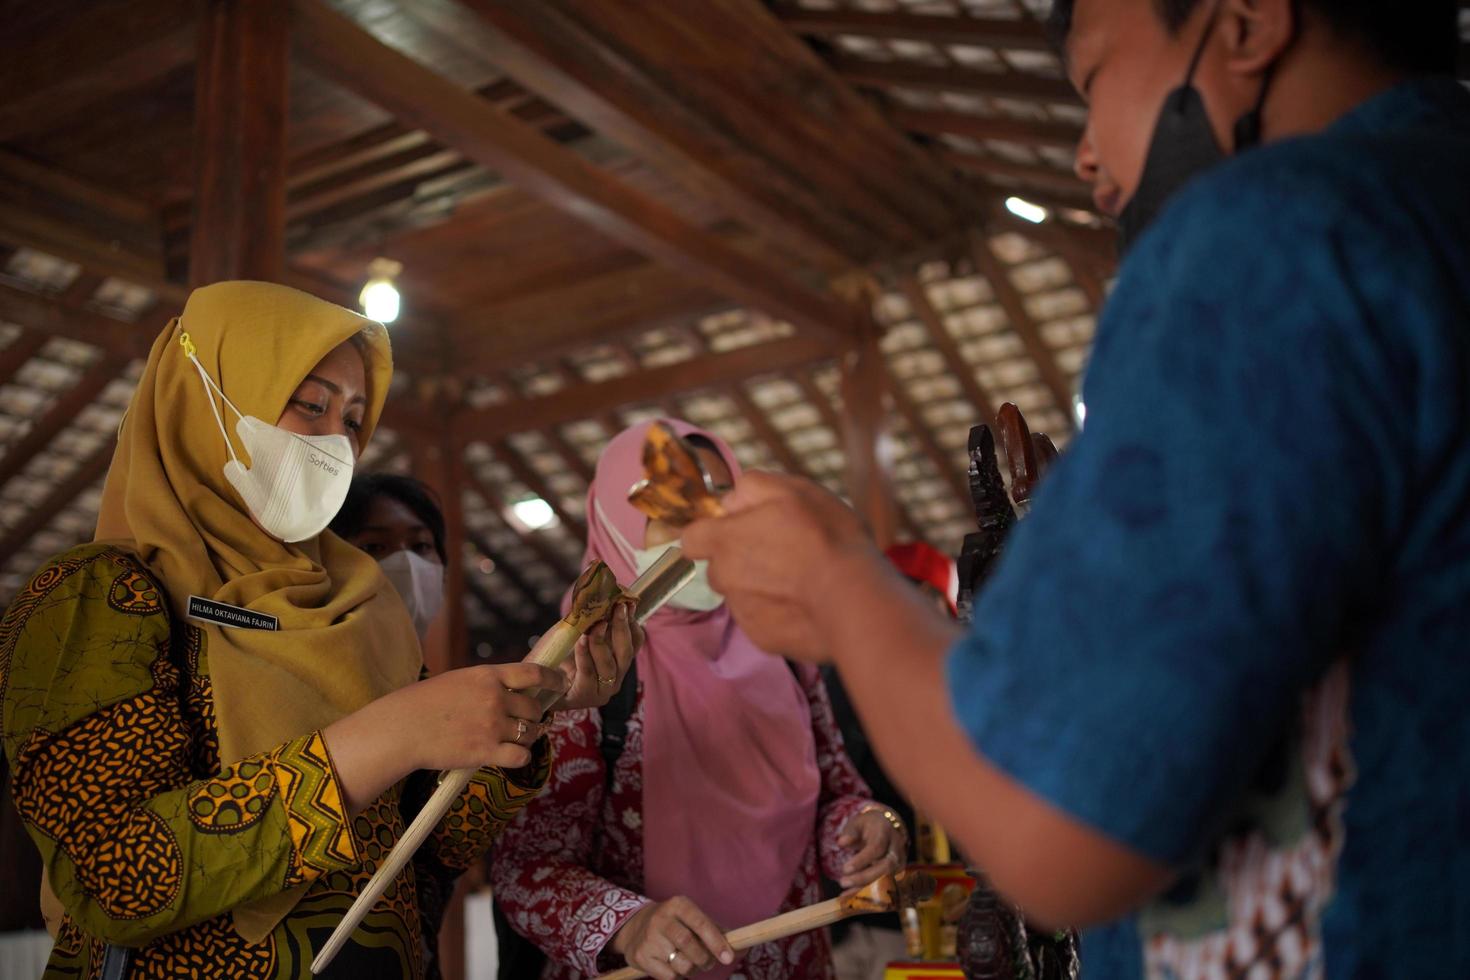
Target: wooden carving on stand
[(994, 940)]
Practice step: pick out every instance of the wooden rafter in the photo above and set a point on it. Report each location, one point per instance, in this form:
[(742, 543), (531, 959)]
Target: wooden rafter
[(73, 219), (568, 453), (514, 577), (1002, 128), (113, 48), (988, 264), (602, 309), (869, 480), (59, 416), (86, 474), (578, 70), (1054, 178), (523, 471), (459, 119), (19, 352), (498, 505), (819, 400), (592, 399), (487, 601), (53, 318), (1017, 34), (943, 462), (960, 369), (1012, 85), (1097, 248)]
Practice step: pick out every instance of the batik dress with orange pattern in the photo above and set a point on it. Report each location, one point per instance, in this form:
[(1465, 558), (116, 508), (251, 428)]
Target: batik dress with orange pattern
[(108, 721)]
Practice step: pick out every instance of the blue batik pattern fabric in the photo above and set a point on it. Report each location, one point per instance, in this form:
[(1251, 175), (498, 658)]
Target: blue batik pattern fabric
[(1234, 632)]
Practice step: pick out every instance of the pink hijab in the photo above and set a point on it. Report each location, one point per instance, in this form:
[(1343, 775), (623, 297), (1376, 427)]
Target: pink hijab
[(730, 778)]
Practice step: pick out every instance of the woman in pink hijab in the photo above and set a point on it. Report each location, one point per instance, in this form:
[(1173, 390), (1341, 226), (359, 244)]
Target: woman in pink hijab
[(728, 797)]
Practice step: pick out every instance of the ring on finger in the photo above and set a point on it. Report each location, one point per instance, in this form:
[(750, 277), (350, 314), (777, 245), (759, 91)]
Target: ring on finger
[(521, 729), (607, 680), (672, 957)]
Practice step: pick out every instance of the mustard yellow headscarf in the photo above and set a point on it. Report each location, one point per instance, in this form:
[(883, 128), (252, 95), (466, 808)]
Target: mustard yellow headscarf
[(345, 639)]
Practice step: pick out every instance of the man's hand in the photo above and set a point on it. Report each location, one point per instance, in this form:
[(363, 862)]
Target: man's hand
[(779, 557)]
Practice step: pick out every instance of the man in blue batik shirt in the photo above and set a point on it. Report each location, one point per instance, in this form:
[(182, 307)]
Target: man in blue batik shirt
[(1218, 691)]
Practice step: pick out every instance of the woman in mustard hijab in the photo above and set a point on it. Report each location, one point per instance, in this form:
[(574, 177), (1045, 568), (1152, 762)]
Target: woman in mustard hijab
[(211, 714)]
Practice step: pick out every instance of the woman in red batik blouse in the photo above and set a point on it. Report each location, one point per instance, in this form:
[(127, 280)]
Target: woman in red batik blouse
[(729, 796)]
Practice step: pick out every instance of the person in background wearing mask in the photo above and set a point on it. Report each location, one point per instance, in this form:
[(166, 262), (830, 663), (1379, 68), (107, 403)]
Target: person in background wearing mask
[(396, 520), (715, 800), (210, 714), (1219, 676)]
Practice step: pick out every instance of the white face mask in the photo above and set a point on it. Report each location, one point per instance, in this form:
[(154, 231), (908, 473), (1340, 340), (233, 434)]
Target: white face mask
[(420, 583), (295, 484), (697, 596)]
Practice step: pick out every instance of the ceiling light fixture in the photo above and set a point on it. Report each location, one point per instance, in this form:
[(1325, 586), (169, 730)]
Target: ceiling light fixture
[(1023, 208), (379, 298)]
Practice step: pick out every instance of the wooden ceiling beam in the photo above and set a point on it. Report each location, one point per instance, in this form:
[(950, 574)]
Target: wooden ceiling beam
[(62, 413), (569, 454), (942, 462), (825, 408), (900, 174), (767, 432), (487, 602), (19, 352), (93, 56), (99, 229), (988, 264), (514, 577), (461, 120), (87, 473), (52, 318), (973, 81), (579, 71), (967, 124), (1052, 178), (962, 371), (602, 309), (1097, 248), (523, 471), (593, 399), (498, 506), (869, 477), (989, 32), (1088, 267)]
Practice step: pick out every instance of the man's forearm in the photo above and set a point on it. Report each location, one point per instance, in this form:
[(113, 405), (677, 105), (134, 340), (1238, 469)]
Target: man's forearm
[(890, 647)]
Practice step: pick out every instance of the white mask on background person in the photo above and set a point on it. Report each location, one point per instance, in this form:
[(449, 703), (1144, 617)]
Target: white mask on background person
[(420, 584), (295, 484), (697, 596)]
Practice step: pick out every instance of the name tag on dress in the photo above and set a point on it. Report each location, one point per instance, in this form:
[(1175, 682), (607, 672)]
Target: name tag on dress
[(221, 614)]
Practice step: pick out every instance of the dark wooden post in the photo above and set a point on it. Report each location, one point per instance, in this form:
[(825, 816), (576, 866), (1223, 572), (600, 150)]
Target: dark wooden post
[(869, 482), (437, 464), (239, 229)]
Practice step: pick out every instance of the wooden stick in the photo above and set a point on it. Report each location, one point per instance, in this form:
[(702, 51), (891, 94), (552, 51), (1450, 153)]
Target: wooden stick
[(883, 895)]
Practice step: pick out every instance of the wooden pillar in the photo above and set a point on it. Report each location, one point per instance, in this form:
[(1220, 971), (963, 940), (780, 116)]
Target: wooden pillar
[(869, 480), (239, 222), (437, 464)]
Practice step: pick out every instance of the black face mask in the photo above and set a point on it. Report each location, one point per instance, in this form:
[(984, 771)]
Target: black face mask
[(1183, 146)]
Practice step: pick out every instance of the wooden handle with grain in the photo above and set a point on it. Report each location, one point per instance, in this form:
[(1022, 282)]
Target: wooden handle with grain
[(770, 930)]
